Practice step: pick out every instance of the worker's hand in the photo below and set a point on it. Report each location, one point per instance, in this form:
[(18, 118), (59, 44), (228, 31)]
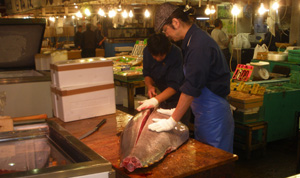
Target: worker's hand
[(166, 111), (146, 104), (160, 125), (151, 92)]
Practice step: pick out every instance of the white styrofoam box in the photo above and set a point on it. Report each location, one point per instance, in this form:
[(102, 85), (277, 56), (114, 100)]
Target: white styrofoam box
[(121, 92), (73, 103), (136, 101), (88, 71), (123, 48), (43, 61)]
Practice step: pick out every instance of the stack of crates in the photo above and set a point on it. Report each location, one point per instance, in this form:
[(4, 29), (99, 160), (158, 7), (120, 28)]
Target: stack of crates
[(82, 88), (248, 107)]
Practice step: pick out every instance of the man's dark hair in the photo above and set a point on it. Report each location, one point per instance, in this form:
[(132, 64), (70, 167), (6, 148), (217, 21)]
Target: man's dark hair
[(217, 22), (179, 14), (158, 44), (88, 26)]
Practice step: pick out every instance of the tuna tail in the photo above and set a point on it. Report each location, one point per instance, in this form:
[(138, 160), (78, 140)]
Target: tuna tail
[(131, 163)]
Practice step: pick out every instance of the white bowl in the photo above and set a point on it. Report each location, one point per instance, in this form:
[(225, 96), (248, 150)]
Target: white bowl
[(277, 56)]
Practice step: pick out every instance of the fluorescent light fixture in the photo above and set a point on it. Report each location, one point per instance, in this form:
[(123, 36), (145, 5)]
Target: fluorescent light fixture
[(202, 18)]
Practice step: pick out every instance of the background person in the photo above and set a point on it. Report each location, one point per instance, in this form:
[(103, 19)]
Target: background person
[(222, 39), (206, 84), (88, 43), (78, 37), (99, 36)]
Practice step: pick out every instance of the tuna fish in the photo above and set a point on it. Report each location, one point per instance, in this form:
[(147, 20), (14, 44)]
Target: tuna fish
[(140, 147)]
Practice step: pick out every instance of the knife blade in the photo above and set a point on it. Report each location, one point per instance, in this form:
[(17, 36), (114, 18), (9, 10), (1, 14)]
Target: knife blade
[(93, 130)]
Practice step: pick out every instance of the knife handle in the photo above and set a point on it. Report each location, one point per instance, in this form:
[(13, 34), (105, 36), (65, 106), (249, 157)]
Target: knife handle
[(101, 123)]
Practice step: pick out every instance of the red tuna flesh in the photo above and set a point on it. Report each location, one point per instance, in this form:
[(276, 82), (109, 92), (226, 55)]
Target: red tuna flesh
[(140, 147)]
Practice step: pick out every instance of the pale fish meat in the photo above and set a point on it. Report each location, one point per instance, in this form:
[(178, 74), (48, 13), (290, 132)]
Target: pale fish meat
[(140, 147)]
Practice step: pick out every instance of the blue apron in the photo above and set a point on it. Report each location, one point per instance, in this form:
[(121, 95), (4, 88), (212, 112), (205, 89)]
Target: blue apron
[(214, 123)]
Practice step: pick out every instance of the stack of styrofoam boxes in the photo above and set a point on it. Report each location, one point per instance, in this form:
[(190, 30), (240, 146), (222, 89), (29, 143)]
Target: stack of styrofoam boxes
[(43, 61), (82, 88)]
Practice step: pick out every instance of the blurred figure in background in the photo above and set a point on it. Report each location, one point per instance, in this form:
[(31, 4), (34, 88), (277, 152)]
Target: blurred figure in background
[(78, 37), (222, 39), (270, 39), (88, 43), (99, 36)]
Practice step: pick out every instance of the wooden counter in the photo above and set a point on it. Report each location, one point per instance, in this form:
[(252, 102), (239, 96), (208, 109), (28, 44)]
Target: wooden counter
[(192, 159)]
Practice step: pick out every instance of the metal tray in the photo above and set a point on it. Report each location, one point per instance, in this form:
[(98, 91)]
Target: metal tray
[(47, 150)]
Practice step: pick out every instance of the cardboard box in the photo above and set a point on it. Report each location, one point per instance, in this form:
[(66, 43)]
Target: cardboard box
[(80, 72), (76, 103), (244, 100), (100, 52), (74, 54)]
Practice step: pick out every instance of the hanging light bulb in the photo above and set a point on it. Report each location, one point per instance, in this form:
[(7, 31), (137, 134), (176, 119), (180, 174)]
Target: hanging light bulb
[(212, 10), (119, 9), (65, 16), (87, 12), (235, 10), (112, 13), (101, 12), (73, 17), (79, 14), (275, 5), (207, 10), (76, 7), (147, 13), (130, 13), (261, 9), (124, 14)]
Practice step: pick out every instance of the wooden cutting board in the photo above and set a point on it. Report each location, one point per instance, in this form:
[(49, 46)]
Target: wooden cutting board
[(6, 124)]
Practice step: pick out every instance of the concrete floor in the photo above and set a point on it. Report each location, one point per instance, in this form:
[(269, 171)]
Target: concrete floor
[(279, 161)]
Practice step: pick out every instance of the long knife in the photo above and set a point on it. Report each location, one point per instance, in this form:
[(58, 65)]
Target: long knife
[(93, 130)]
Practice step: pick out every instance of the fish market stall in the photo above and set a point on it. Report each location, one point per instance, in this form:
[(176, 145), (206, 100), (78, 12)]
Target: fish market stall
[(191, 159)]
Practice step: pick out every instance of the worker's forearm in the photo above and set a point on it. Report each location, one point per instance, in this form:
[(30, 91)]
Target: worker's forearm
[(182, 106), (167, 93), (149, 82)]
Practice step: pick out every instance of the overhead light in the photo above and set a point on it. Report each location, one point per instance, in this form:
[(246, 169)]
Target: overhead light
[(207, 10), (275, 5), (130, 13), (119, 9), (112, 13), (212, 10), (235, 10), (73, 17), (76, 7), (202, 18), (124, 14), (101, 12), (65, 16), (87, 12), (79, 14), (147, 13), (262, 9)]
